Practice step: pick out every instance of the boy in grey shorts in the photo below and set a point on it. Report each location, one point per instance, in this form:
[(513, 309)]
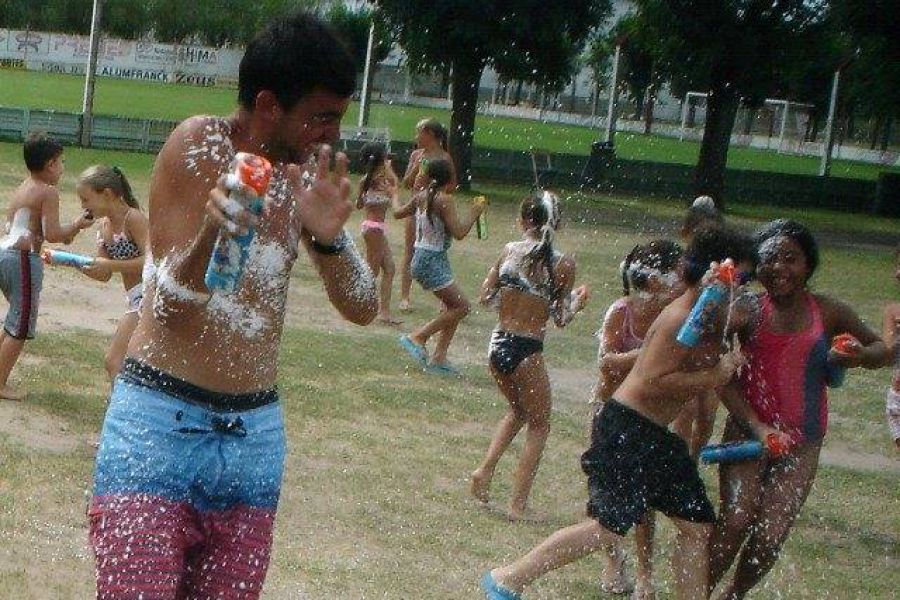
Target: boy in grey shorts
[(32, 216)]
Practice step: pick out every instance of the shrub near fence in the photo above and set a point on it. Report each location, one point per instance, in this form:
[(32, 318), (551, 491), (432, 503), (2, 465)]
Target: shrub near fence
[(510, 166)]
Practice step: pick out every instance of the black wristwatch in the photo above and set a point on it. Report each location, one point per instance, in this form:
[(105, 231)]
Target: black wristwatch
[(335, 247)]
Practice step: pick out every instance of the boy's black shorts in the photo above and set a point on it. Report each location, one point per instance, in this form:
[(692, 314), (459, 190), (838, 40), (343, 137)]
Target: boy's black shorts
[(634, 465)]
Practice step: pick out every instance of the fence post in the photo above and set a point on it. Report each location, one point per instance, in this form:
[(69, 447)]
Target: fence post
[(145, 135)]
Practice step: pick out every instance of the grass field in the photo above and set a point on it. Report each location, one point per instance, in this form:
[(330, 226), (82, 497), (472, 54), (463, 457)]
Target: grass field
[(151, 100), (374, 502)]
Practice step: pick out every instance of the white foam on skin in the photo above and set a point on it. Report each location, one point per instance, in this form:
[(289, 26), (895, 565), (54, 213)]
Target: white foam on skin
[(168, 288), (215, 146), (768, 250), (363, 286), (238, 316), (17, 229)]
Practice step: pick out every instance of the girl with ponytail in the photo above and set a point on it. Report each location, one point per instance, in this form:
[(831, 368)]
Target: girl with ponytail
[(530, 283), (122, 243), (431, 144), (378, 190), (436, 223)]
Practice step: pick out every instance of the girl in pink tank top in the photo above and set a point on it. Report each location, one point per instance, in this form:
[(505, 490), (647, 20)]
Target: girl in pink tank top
[(794, 400), (784, 384)]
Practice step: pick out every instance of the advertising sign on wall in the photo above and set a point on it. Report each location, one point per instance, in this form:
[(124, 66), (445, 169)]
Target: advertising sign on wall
[(124, 59)]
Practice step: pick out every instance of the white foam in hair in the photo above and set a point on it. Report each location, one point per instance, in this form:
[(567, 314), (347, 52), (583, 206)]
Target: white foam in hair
[(704, 202), (551, 205)]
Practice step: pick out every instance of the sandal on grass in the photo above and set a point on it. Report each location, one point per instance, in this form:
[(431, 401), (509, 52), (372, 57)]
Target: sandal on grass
[(494, 591), (417, 351)]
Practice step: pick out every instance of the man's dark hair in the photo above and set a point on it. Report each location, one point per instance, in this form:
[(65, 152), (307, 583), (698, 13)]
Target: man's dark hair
[(795, 231), (39, 149), (716, 244), (293, 56)]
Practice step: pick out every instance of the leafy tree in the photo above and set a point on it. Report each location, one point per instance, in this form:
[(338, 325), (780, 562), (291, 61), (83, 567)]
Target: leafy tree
[(529, 40), (353, 27), (126, 19), (873, 27), (733, 49)]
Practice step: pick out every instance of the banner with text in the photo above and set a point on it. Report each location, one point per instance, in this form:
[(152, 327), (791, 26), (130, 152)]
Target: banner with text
[(124, 59)]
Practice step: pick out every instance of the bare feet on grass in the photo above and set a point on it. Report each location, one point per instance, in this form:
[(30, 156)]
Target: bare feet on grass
[(388, 320), (479, 487), (643, 590), (526, 515), (614, 579), (10, 393)]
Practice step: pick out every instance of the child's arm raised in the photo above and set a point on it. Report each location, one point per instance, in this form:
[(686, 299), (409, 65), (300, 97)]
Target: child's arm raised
[(491, 284), (870, 353), (567, 302), (412, 169), (50, 225), (456, 227), (401, 211), (672, 357)]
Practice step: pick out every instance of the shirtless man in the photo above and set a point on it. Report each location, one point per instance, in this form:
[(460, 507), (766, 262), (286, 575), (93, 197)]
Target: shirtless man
[(191, 456), (634, 463), (32, 216)]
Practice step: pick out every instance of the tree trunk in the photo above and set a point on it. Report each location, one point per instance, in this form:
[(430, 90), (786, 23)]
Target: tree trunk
[(816, 121), (886, 134), (517, 98), (709, 176), (466, 76), (445, 82), (574, 91), (749, 118), (649, 101), (639, 103), (876, 128)]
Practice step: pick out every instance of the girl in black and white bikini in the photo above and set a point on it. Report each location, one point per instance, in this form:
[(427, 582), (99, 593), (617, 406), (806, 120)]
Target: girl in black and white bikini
[(121, 246), (530, 283)]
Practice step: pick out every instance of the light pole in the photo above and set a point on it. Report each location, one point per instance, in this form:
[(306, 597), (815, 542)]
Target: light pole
[(613, 93), (825, 165), (365, 97), (87, 105)]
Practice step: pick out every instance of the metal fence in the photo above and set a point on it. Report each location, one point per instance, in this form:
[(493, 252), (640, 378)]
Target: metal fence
[(126, 133)]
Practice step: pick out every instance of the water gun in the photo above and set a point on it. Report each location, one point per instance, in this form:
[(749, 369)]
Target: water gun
[(66, 259), (844, 343), (230, 252), (481, 224), (703, 311), (732, 452)]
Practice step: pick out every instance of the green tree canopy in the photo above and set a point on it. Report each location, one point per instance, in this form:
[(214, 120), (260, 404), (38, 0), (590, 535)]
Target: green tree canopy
[(733, 50), (530, 40)]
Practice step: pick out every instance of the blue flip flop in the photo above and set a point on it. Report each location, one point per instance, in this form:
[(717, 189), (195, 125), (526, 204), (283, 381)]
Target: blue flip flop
[(445, 369), (494, 591), (415, 350)]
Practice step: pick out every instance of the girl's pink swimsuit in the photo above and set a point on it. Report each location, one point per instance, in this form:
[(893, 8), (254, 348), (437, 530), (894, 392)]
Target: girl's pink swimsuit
[(785, 378), (626, 339)]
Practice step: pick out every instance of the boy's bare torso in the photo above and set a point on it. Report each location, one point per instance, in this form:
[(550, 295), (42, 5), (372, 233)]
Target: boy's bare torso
[(27, 202), (662, 355)]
